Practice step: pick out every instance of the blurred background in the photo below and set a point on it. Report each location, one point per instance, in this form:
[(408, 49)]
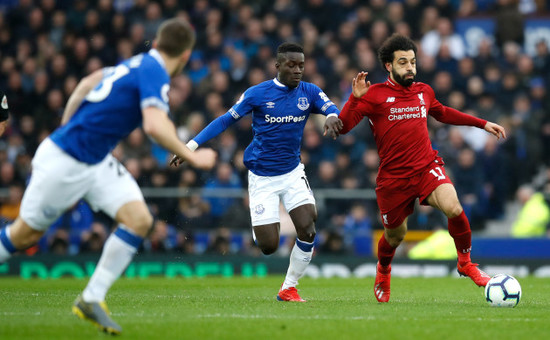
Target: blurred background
[(489, 58)]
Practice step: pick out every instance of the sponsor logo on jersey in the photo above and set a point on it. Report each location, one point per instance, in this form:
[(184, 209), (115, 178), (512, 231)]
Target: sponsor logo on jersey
[(390, 100), (303, 104), (409, 112), (270, 105), (285, 119)]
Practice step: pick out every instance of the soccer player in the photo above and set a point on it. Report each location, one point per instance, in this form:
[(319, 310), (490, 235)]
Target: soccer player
[(397, 111), (4, 113), (280, 108), (76, 162)]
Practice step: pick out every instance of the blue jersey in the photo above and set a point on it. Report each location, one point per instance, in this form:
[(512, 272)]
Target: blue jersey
[(279, 115), (113, 108)]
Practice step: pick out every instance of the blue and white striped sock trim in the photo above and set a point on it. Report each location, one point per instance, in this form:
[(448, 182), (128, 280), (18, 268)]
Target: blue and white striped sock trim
[(304, 246), (128, 237), (6, 242)]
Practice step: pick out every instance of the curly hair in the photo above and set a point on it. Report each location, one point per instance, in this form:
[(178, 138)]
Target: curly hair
[(396, 42), (288, 47)]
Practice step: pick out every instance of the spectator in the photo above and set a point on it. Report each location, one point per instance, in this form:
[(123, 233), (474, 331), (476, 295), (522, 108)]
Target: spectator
[(226, 179), (508, 19), (443, 35), (468, 179), (534, 217)]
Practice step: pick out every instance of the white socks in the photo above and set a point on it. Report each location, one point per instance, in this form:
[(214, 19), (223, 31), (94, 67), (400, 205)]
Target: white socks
[(118, 251), (300, 257), (4, 253), (6, 247)]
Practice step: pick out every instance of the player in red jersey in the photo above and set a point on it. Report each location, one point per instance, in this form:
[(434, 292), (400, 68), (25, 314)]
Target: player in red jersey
[(410, 168)]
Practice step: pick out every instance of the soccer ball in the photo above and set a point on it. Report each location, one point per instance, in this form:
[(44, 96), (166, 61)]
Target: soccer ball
[(503, 291)]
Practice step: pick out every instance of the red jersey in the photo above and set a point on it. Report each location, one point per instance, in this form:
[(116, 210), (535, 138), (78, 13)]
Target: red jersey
[(398, 119)]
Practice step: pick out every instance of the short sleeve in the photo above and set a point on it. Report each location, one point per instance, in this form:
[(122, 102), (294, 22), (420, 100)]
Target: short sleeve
[(322, 102), (153, 85), (244, 105)]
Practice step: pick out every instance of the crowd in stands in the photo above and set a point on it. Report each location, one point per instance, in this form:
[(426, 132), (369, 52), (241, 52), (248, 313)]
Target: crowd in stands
[(47, 46)]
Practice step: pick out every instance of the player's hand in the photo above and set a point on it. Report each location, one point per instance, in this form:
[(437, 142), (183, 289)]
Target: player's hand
[(204, 159), (3, 127), (495, 129), (333, 125), (176, 161), (360, 85)]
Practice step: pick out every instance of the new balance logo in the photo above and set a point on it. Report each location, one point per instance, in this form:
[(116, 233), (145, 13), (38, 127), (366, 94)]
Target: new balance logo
[(390, 100), (385, 218)]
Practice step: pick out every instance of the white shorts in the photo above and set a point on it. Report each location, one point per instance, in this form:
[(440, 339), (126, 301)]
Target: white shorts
[(266, 192), (59, 181)]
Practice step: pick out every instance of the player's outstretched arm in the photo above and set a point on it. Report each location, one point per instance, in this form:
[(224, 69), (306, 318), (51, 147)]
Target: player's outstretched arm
[(87, 84), (158, 126), (360, 85), (212, 130), (495, 129)]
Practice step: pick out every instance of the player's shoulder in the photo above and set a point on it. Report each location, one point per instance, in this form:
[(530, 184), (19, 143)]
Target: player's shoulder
[(148, 64), (421, 87), (256, 92), (263, 86), (378, 87), (308, 86)]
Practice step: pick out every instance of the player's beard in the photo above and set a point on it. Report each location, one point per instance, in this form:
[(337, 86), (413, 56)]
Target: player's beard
[(401, 79)]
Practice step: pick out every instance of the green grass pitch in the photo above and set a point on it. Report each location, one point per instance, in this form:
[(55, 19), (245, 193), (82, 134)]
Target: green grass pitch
[(245, 308)]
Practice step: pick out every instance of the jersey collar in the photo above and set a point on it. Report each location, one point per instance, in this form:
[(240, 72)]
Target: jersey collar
[(283, 86), (278, 83), (155, 54), (397, 86)]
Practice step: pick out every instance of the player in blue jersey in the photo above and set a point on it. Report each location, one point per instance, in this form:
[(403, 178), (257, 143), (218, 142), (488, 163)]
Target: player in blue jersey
[(280, 108), (75, 161)]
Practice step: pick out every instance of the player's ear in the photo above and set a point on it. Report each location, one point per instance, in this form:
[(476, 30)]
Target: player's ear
[(154, 43), (388, 66), (186, 55)]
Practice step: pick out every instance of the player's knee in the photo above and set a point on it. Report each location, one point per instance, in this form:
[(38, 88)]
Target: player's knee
[(147, 222), (454, 211), (395, 239), (23, 236), (306, 234), (268, 246), (30, 240), (268, 249), (141, 223)]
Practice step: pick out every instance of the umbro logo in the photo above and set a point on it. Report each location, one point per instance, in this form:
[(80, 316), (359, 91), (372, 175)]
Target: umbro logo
[(390, 100), (270, 105)]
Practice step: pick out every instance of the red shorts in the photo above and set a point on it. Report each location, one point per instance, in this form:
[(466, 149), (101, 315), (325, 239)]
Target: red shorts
[(396, 196)]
